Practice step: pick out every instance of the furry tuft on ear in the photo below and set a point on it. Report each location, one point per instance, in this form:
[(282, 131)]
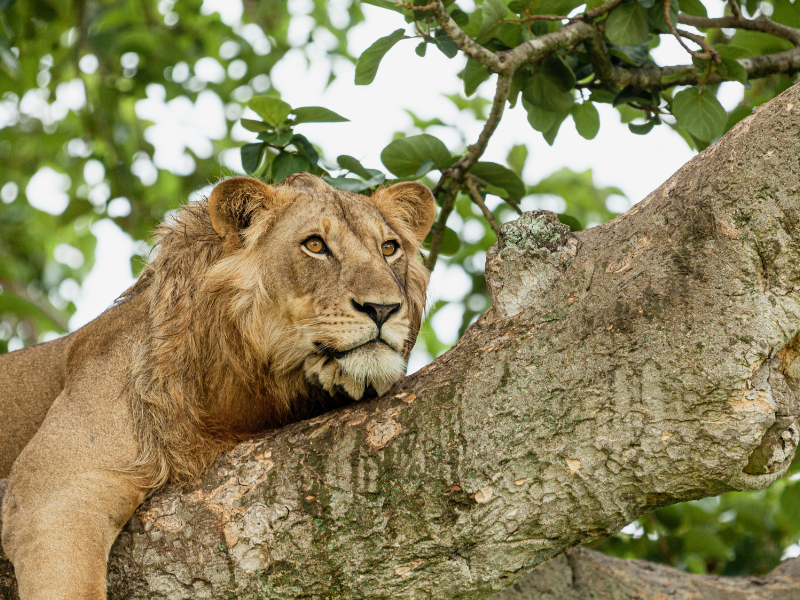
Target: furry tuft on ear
[(232, 204), (408, 207)]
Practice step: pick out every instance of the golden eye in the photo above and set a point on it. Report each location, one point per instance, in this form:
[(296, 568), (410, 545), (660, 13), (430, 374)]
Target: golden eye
[(389, 248), (315, 245)]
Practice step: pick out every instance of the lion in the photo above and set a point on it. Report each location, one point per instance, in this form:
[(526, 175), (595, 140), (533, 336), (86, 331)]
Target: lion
[(262, 305)]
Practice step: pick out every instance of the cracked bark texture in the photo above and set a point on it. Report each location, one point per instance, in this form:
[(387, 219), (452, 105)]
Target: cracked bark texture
[(653, 360)]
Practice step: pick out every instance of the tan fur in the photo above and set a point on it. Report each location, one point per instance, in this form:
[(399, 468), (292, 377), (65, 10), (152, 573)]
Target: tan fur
[(234, 327)]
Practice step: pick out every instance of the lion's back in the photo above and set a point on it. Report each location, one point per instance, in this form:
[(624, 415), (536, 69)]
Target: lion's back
[(33, 377)]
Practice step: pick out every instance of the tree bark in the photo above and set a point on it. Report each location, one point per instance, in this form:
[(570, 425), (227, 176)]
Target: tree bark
[(581, 574), (644, 362)]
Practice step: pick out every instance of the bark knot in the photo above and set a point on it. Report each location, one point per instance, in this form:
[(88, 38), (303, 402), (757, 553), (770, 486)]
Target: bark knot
[(530, 254)]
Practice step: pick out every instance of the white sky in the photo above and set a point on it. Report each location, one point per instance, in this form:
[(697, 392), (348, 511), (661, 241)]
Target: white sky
[(636, 164)]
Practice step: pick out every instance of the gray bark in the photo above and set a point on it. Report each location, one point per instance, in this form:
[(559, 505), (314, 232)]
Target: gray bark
[(649, 361)]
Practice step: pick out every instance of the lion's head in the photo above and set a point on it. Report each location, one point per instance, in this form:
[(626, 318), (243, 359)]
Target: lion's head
[(267, 303), (324, 280)]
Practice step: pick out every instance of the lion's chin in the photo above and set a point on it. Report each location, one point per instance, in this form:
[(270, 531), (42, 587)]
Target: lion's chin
[(374, 365)]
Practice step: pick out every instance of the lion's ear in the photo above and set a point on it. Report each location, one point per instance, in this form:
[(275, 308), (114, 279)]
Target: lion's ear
[(232, 204), (407, 206)]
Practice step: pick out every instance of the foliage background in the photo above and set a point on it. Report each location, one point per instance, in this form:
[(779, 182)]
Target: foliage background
[(78, 83)]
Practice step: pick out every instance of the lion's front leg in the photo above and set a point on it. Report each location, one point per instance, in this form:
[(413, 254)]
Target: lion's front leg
[(59, 543), (67, 495)]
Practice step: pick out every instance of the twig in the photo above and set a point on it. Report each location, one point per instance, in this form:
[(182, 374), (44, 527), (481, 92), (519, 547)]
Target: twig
[(708, 51), (464, 42), (604, 8), (732, 22), (448, 202), (410, 6), (735, 9), (475, 150), (478, 199)]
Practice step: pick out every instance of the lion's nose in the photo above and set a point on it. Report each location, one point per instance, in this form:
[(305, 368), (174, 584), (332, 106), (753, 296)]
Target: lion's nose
[(379, 313)]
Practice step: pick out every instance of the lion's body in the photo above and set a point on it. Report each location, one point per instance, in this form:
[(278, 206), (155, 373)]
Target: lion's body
[(230, 330)]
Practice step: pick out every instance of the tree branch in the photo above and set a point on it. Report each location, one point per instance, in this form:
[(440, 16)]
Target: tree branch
[(658, 78), (580, 573), (463, 41), (732, 22), (639, 363), (478, 199)]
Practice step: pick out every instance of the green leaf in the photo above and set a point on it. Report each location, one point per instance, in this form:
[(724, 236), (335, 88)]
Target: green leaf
[(288, 163), (630, 94), (627, 25), (353, 165), (373, 179), (424, 168), (700, 113), (503, 177), (450, 244), (273, 110), (405, 156), (445, 44), (316, 114), (643, 128), (544, 93), (460, 17), (493, 11), (255, 126), (370, 59), (251, 156), (475, 73), (587, 120), (647, 3), (729, 68), (421, 49), (305, 149), (571, 222), (638, 56), (517, 158), (694, 8), (730, 51), (557, 71), (278, 139)]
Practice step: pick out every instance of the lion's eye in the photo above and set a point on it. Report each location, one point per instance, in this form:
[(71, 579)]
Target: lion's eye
[(315, 245), (389, 248)]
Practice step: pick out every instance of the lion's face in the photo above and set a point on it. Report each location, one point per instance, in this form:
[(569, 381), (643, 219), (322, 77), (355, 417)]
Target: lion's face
[(329, 282)]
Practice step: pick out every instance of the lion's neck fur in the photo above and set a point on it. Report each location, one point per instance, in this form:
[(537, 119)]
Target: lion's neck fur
[(196, 385)]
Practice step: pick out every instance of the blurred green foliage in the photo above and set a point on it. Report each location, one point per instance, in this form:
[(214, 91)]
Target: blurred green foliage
[(73, 79)]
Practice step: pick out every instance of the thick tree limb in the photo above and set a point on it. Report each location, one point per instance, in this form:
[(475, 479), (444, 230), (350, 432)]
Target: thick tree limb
[(658, 78), (640, 363), (580, 574)]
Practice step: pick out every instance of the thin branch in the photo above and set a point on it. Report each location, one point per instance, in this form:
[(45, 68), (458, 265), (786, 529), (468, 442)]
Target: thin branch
[(659, 78), (708, 51), (478, 199), (475, 151), (604, 8), (735, 9), (731, 22), (448, 202), (463, 41)]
